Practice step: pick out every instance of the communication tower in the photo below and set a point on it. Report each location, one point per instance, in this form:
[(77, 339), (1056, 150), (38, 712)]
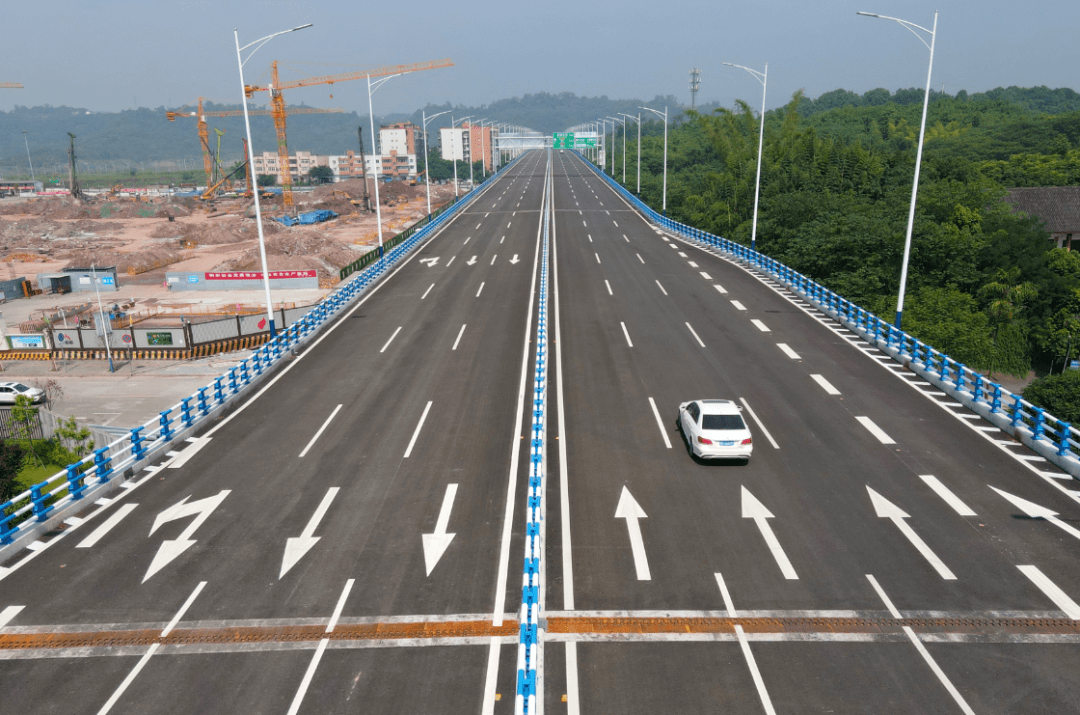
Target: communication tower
[(695, 83)]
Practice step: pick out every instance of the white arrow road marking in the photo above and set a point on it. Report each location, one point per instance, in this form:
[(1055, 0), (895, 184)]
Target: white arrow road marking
[(324, 426), (471, 261), (435, 544), (887, 510), (186, 454), (631, 511), (1038, 512), (9, 613), (945, 493), (875, 430), (171, 548), (1048, 587), (825, 384), (297, 547), (788, 351), (754, 509), (419, 425), (97, 534), (514, 259), (430, 261)]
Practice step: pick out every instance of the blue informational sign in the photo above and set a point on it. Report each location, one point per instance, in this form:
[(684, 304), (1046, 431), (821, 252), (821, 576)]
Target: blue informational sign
[(107, 280), (1074, 365), (192, 279), (26, 341)]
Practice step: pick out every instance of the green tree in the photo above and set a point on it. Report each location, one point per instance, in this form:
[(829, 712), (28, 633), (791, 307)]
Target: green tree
[(1058, 394), (24, 417), (321, 174), (76, 435), (12, 457), (1007, 299), (266, 180)]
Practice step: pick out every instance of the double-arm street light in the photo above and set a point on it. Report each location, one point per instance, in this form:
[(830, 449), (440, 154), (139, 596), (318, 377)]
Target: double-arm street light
[(664, 115), (427, 176), (913, 29), (638, 120), (762, 77), (376, 155), (251, 159)]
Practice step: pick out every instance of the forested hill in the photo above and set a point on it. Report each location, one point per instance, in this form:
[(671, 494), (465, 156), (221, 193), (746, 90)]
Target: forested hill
[(986, 284)]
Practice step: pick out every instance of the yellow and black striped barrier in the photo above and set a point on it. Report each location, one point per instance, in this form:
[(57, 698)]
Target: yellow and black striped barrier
[(204, 350)]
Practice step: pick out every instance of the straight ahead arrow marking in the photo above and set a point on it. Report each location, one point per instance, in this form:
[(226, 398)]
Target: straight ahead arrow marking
[(754, 509), (630, 510), (435, 543), (887, 510), (514, 259), (296, 547)]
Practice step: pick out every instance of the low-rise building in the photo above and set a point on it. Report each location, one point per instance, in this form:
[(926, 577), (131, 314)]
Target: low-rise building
[(469, 143), (299, 164), (392, 166), (1058, 207)]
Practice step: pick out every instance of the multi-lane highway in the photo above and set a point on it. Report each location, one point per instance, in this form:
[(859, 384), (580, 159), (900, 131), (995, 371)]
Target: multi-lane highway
[(351, 538)]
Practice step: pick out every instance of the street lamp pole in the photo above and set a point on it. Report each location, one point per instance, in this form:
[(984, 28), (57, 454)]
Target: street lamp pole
[(623, 123), (251, 161), (912, 27), (483, 150), (427, 176), (452, 123), (665, 116), (32, 177), (762, 77), (375, 154), (638, 120)]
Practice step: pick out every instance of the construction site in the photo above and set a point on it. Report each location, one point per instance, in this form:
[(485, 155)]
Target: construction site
[(147, 240)]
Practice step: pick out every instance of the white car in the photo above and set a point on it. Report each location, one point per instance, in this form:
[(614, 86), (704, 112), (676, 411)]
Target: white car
[(714, 429), (10, 390)]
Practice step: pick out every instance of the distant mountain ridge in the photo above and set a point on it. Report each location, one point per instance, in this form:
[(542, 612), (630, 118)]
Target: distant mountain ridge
[(144, 135)]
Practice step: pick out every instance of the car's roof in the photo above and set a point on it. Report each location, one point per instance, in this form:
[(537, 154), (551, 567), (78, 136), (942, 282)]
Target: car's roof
[(719, 407)]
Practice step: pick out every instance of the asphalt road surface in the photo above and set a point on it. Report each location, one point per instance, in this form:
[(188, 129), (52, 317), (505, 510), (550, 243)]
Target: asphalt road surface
[(351, 539)]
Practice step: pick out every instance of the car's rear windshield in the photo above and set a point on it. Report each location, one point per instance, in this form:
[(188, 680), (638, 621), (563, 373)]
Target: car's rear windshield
[(722, 422)]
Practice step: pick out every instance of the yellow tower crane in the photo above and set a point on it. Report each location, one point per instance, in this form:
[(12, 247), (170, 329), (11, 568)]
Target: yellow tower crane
[(204, 131), (277, 104)]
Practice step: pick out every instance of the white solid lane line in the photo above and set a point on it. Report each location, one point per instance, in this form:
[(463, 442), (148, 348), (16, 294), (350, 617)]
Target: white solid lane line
[(761, 326), (945, 493), (429, 288), (788, 351), (661, 288), (608, 287), (639, 257), (660, 423), (758, 422), (412, 442), (324, 426), (1051, 591), (460, 333), (480, 289), (384, 347), (129, 679), (694, 333), (340, 606), (825, 385), (942, 678), (628, 342), (107, 526), (183, 609), (9, 613), (738, 305), (875, 430), (314, 664), (719, 288), (744, 645)]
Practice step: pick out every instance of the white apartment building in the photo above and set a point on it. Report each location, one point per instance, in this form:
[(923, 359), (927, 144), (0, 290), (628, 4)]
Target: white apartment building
[(300, 164)]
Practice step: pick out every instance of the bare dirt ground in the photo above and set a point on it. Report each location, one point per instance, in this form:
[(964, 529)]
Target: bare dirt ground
[(146, 238)]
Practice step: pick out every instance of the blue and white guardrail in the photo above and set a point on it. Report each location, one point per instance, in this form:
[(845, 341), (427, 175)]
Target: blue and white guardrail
[(1052, 438), (529, 657), (66, 489)]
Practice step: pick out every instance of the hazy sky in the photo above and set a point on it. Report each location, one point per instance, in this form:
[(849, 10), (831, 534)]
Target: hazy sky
[(108, 55)]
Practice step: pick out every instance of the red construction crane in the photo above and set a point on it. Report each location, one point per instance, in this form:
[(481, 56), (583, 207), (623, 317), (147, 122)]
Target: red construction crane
[(277, 103), (204, 133)]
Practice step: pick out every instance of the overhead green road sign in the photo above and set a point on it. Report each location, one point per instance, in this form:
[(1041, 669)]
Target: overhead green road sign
[(581, 143), (563, 140)]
